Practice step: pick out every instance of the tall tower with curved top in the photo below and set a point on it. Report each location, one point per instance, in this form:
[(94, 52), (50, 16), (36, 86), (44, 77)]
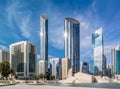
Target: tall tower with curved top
[(43, 63), (71, 43)]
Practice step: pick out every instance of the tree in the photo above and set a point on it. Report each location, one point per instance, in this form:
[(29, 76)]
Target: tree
[(41, 76), (12, 72), (5, 69), (0, 68), (47, 75), (52, 77), (34, 76)]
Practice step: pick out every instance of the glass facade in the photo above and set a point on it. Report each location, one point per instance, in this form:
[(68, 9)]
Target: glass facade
[(97, 59), (115, 62), (23, 58), (104, 65), (18, 59), (32, 59), (72, 48), (44, 43), (85, 67), (44, 38)]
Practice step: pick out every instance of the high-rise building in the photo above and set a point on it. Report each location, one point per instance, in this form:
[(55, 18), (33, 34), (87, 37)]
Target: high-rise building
[(56, 67), (72, 45), (109, 70), (85, 67), (4, 56), (43, 63), (115, 62), (104, 68), (23, 58), (97, 58), (65, 66)]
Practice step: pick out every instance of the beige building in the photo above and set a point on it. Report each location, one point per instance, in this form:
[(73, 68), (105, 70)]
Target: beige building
[(23, 58), (42, 67), (4, 56), (65, 64)]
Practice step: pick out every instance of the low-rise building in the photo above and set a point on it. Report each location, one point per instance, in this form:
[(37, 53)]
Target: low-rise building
[(42, 67), (4, 56), (56, 67), (65, 65), (84, 67)]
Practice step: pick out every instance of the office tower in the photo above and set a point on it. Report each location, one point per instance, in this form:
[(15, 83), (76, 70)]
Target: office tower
[(65, 66), (43, 63), (109, 71), (72, 45), (23, 58), (85, 67), (4, 56), (104, 65), (97, 58), (115, 62), (56, 67)]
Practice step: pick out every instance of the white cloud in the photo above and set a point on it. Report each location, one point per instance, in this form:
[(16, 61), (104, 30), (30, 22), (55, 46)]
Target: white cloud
[(3, 42), (50, 56), (85, 42), (84, 25), (56, 31), (24, 27), (3, 47), (56, 38), (19, 17)]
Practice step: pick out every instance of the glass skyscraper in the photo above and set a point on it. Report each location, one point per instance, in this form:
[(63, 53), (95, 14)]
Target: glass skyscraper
[(71, 44), (43, 63), (115, 62), (104, 67), (98, 52)]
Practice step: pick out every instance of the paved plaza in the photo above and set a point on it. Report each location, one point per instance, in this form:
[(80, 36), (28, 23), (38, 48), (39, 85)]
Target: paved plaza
[(25, 86)]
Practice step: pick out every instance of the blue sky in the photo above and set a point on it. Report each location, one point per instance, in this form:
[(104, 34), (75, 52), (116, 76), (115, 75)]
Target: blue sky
[(20, 20)]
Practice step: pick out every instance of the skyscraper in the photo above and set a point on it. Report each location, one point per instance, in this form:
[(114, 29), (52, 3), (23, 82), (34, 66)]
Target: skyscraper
[(72, 45), (43, 63), (115, 62), (97, 59), (104, 68), (23, 58)]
